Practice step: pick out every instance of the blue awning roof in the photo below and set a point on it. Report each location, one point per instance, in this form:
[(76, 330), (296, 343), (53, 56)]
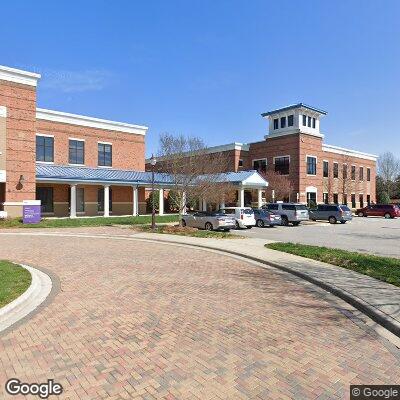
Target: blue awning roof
[(71, 174)]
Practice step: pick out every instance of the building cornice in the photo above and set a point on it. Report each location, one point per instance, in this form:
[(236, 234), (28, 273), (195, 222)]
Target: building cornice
[(348, 152), (82, 120), (18, 76), (293, 132)]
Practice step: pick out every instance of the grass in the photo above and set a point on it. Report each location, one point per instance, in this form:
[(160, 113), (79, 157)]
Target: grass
[(14, 280), (187, 231), (78, 222), (386, 269)]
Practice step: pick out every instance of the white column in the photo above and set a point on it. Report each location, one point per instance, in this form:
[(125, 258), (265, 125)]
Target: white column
[(106, 201), (241, 197), (161, 202), (73, 202), (135, 205), (203, 205), (259, 198), (222, 204), (184, 203)]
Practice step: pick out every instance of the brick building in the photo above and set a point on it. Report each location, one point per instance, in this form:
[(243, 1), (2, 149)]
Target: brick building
[(299, 166)]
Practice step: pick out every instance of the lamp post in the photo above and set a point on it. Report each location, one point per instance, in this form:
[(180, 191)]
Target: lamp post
[(153, 162)]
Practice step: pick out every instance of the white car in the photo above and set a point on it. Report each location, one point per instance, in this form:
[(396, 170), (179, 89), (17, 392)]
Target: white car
[(244, 216)]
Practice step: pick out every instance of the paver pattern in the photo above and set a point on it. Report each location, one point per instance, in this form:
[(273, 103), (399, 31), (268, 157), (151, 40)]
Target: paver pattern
[(136, 320)]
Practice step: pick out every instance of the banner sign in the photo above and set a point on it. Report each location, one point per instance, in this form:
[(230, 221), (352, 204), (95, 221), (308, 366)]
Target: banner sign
[(31, 211)]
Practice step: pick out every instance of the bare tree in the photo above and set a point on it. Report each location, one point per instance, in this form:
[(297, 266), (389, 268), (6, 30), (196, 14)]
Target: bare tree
[(388, 169), (193, 170), (281, 184)]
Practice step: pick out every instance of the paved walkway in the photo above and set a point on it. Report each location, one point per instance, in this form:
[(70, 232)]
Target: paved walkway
[(141, 320)]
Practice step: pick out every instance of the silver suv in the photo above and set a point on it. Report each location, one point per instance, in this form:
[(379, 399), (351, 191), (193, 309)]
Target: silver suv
[(290, 212), (332, 213)]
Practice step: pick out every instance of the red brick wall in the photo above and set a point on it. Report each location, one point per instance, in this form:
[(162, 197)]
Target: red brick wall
[(128, 150), (20, 101)]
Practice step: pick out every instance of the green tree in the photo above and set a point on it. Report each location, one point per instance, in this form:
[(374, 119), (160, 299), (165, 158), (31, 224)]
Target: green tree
[(149, 201)]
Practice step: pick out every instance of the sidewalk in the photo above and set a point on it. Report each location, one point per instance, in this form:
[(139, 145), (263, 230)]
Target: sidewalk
[(379, 300)]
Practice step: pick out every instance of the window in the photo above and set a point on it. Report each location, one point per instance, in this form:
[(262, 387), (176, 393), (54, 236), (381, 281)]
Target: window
[(326, 169), (240, 162), (353, 201), (276, 123), (325, 198), (105, 155), (309, 122), (369, 174), (368, 199), (45, 195), (361, 200), (311, 165), (282, 165), (260, 165), (313, 123), (45, 148), (344, 171), (283, 122), (361, 174), (335, 170), (344, 201), (304, 120), (76, 151), (335, 198), (288, 207), (290, 120), (100, 199), (272, 206), (353, 172)]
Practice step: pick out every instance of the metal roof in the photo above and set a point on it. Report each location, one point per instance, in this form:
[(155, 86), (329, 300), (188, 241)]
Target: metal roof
[(293, 106), (71, 174)]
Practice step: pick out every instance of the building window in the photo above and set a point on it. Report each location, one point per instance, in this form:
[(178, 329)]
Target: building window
[(335, 170), (369, 174), (344, 201), (45, 195), (45, 148), (361, 200), (361, 174), (283, 122), (335, 198), (260, 165), (353, 172), (313, 123), (240, 162), (344, 171), (276, 123), (353, 201), (282, 165), (326, 169), (290, 120), (304, 120), (76, 151), (311, 165), (105, 155), (309, 122), (325, 198), (100, 199), (368, 199)]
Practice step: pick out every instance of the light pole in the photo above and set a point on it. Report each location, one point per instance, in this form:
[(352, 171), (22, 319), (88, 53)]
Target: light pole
[(153, 162)]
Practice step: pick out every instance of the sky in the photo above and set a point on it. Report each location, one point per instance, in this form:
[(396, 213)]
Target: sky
[(210, 68)]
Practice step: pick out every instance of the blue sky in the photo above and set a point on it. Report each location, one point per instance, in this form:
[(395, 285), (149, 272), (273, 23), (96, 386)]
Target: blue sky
[(209, 68)]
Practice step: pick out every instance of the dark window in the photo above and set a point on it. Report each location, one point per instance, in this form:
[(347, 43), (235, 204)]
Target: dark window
[(260, 165), (299, 207), (326, 169), (313, 123), (335, 198), (290, 120), (282, 165), (276, 123), (325, 198), (353, 172), (353, 201), (344, 201), (288, 207), (361, 200), (361, 177), (368, 199), (368, 174), (45, 195), (331, 208), (335, 170), (44, 148), (105, 155), (283, 122), (311, 166), (309, 122), (240, 162), (100, 199), (344, 208), (272, 206), (344, 171), (76, 152), (304, 120)]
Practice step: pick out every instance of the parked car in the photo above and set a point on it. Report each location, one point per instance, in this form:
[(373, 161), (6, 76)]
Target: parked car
[(379, 210), (290, 212), (244, 216), (266, 218), (209, 220), (332, 213)]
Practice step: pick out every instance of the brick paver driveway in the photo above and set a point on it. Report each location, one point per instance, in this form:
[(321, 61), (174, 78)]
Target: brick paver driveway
[(146, 320)]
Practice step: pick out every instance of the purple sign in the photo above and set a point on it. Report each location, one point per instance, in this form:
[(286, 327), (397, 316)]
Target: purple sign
[(31, 211)]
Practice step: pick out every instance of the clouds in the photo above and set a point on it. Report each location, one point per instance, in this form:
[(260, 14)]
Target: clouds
[(68, 81)]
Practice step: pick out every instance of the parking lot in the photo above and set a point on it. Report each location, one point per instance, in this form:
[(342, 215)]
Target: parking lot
[(371, 235)]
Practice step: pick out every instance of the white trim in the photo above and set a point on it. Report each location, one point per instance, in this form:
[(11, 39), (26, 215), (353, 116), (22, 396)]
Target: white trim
[(76, 165), (3, 111), (104, 166), (77, 139), (292, 132), (259, 159), (13, 203), (311, 189), (316, 164), (105, 143), (18, 76), (348, 152), (82, 120), (45, 162), (273, 158), (44, 135), (310, 155)]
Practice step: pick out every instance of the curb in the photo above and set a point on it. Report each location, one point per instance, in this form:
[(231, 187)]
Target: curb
[(31, 299)]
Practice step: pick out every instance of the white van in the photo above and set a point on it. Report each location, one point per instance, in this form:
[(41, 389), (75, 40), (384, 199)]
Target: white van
[(244, 216)]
